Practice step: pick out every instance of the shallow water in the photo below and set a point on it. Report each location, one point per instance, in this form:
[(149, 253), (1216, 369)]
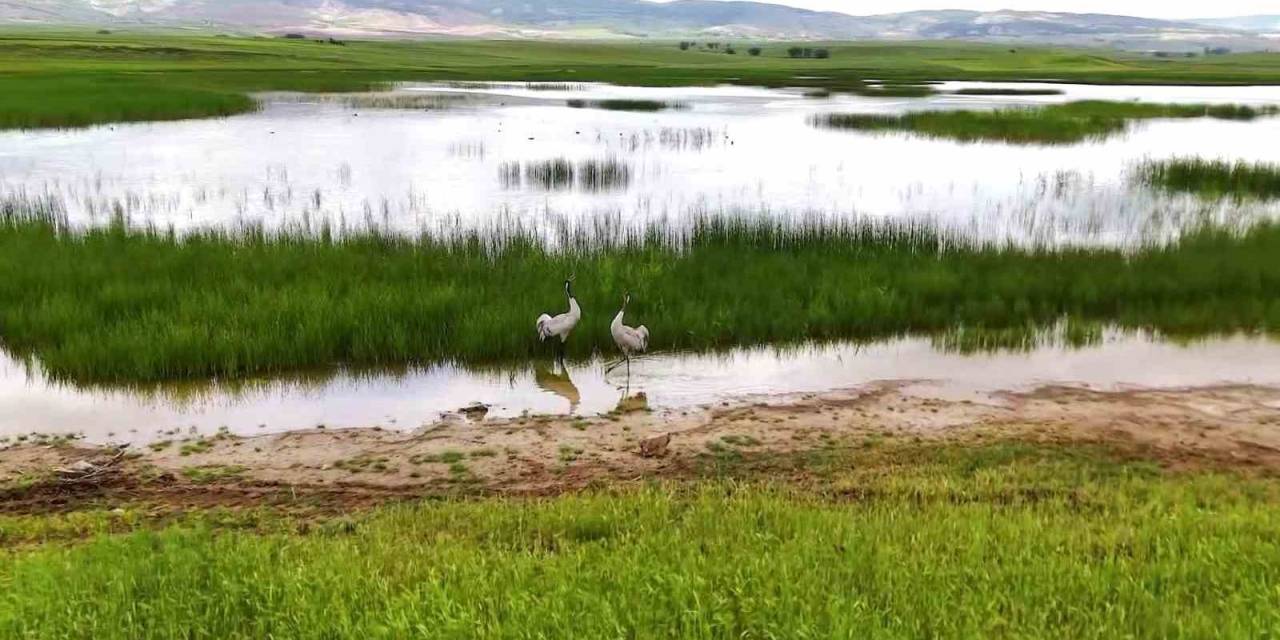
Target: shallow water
[(307, 159), (411, 399)]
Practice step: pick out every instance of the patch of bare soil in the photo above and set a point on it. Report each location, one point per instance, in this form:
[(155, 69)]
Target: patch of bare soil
[(339, 470)]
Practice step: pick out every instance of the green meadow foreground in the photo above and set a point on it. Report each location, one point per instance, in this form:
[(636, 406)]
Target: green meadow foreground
[(1060, 511), (52, 78), (882, 536)]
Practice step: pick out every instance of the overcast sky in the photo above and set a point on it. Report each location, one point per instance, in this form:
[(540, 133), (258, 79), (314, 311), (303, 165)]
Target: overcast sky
[(1145, 8)]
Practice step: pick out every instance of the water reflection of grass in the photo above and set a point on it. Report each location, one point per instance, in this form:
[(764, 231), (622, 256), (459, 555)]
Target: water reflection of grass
[(1212, 178), (907, 539), (1069, 334), (118, 304), (1054, 124)]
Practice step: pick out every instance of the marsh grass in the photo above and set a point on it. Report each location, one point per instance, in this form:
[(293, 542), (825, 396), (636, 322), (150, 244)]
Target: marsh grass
[(555, 86), (625, 105), (1211, 178), (1068, 123), (557, 173), (999, 91), (560, 173), (69, 101), (408, 101), (603, 175), (121, 304), (893, 539), (895, 90)]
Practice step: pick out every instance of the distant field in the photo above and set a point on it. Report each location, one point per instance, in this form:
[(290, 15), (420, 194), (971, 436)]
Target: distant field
[(59, 78)]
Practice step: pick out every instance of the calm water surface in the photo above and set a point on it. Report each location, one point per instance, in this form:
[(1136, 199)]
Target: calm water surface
[(411, 399), (306, 159)]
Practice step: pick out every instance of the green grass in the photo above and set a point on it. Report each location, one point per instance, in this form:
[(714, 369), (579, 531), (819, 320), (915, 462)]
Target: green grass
[(210, 473), (122, 305), (988, 91), (55, 78), (897, 541), (1068, 123), (444, 457), (1212, 178), (74, 101), (196, 447), (896, 91)]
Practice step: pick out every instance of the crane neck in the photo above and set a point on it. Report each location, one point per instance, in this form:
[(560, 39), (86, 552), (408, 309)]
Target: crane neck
[(574, 309)]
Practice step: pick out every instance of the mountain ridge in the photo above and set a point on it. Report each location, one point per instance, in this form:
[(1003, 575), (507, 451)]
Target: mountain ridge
[(640, 18)]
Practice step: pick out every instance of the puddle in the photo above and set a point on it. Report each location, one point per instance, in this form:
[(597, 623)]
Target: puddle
[(307, 159), (411, 399)]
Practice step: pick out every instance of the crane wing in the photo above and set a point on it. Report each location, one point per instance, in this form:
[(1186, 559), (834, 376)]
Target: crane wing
[(544, 326)]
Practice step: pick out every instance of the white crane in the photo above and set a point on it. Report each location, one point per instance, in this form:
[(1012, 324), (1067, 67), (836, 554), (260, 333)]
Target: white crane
[(562, 325), (629, 340)]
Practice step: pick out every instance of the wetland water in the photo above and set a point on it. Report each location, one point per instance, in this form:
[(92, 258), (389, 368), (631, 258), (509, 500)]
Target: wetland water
[(444, 163), (409, 400)]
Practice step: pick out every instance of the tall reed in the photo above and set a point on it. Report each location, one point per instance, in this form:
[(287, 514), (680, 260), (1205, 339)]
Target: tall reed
[(1212, 178), (124, 304)]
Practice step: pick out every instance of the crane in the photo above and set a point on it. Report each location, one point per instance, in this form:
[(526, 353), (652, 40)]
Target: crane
[(562, 325), (629, 340)]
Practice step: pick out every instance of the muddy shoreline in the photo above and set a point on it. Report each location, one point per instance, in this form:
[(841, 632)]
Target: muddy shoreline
[(1235, 426)]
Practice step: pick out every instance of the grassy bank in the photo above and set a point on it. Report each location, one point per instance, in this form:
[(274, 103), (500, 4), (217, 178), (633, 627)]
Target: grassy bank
[(146, 76), (1055, 124), (1212, 178), (122, 305), (885, 540)]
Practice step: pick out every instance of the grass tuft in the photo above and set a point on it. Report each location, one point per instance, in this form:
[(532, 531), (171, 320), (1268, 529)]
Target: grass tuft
[(625, 104), (1068, 123), (1212, 178)]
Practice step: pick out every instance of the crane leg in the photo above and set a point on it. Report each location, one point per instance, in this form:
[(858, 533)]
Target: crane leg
[(617, 363)]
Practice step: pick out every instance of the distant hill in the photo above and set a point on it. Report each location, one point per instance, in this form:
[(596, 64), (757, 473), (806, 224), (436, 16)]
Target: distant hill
[(1263, 23), (634, 18)]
